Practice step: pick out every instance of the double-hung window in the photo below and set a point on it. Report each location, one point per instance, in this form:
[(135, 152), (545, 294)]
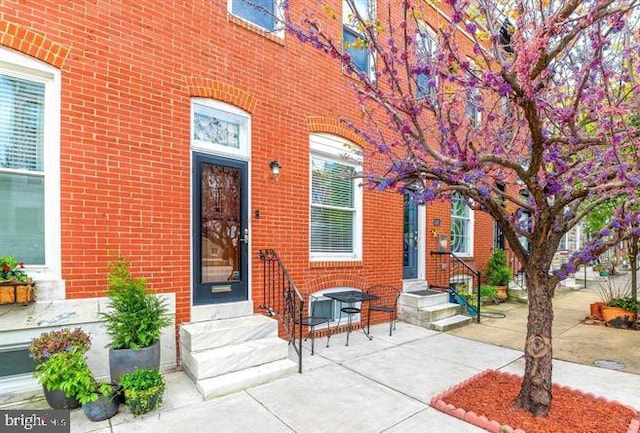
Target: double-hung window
[(461, 227), (425, 52), (353, 33), (29, 160), (262, 13), (336, 200)]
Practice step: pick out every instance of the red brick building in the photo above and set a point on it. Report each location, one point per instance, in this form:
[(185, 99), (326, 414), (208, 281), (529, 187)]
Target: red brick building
[(150, 129)]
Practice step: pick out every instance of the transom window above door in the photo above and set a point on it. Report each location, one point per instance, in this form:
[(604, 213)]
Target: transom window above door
[(219, 128)]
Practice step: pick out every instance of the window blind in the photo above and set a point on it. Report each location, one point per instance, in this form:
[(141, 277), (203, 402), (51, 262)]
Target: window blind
[(21, 124)]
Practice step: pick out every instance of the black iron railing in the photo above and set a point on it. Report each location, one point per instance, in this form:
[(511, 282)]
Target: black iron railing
[(282, 299), (457, 278), (517, 273)]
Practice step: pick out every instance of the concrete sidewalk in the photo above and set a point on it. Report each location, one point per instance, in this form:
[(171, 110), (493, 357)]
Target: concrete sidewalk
[(572, 341), (382, 385)]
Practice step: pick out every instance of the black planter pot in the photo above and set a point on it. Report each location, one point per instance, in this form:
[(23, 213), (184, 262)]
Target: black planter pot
[(123, 361), (58, 400), (104, 407), (141, 402)]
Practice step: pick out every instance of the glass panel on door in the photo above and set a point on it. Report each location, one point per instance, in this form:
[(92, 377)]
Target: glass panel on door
[(220, 230)]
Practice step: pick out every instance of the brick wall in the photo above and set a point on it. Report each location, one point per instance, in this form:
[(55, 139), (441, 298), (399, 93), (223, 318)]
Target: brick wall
[(128, 72)]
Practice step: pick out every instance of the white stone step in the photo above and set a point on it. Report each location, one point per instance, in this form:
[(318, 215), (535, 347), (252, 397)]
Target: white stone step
[(421, 301), (222, 360), (449, 323), (239, 380), (438, 312), (414, 285), (210, 334)]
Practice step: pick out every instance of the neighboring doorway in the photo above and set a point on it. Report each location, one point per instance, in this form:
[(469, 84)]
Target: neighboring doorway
[(220, 230), (410, 239)]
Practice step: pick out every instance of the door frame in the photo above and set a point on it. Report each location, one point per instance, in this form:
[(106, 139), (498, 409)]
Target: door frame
[(241, 291), (421, 222)]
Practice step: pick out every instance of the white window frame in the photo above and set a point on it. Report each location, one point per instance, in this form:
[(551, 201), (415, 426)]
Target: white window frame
[(229, 112), (471, 101), (470, 226), (278, 10), (564, 243), (346, 23), (336, 305), (25, 67), (342, 151), (425, 31)]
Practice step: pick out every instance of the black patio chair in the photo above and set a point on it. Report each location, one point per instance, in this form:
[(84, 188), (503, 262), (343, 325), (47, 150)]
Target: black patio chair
[(312, 321), (387, 302)]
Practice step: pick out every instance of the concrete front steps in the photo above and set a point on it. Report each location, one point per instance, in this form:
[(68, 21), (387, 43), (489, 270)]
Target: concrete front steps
[(229, 355), (431, 310)]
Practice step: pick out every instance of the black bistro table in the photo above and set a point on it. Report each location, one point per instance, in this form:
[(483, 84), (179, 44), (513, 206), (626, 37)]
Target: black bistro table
[(348, 299)]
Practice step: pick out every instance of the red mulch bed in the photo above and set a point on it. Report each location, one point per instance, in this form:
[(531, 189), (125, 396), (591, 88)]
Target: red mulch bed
[(490, 395)]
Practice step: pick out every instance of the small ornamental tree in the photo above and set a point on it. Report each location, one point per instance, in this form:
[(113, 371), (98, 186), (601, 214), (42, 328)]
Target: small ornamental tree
[(521, 107)]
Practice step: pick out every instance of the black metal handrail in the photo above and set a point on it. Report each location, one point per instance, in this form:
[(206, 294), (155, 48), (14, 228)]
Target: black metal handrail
[(282, 299), (517, 273), (451, 274)]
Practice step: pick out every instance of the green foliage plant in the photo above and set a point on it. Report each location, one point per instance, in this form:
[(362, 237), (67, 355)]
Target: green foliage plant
[(497, 271), (626, 303), (58, 341), (65, 371), (136, 316), (143, 390), (488, 291)]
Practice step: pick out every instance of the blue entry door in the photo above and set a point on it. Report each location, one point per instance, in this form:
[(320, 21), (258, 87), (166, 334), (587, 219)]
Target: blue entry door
[(410, 239), (220, 231)]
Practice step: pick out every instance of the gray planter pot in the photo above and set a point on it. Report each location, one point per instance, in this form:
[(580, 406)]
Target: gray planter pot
[(58, 400), (123, 361), (103, 408)]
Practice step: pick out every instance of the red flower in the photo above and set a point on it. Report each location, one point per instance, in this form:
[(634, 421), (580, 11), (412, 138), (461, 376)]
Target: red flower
[(6, 267), (21, 264)]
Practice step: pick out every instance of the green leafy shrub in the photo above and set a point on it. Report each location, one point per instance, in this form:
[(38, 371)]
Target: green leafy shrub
[(488, 291), (626, 303), (65, 371), (137, 316), (143, 390), (58, 341), (497, 271)]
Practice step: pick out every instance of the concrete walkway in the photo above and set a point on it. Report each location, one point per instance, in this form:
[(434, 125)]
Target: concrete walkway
[(382, 385), (572, 341)]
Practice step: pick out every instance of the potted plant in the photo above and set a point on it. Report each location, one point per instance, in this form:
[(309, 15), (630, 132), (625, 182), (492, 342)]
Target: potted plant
[(488, 295), (608, 290), (15, 285), (56, 373), (100, 400), (143, 390), (620, 312), (498, 274), (134, 322)]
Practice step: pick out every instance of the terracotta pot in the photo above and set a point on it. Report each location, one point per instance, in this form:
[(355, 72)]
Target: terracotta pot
[(596, 308), (502, 292), (618, 317)]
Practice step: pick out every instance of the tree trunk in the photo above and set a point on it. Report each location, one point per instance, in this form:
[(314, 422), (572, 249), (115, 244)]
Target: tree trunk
[(535, 393)]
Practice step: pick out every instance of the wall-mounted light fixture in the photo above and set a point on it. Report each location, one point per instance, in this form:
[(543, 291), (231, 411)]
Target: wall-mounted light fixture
[(275, 168)]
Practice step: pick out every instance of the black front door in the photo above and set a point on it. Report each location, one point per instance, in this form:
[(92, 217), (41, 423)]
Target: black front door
[(410, 239), (220, 232)]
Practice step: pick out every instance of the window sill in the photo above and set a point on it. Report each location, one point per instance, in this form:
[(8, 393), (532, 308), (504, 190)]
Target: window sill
[(335, 264), (272, 36)]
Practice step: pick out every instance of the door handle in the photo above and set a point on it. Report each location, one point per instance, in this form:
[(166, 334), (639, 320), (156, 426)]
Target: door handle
[(245, 238)]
